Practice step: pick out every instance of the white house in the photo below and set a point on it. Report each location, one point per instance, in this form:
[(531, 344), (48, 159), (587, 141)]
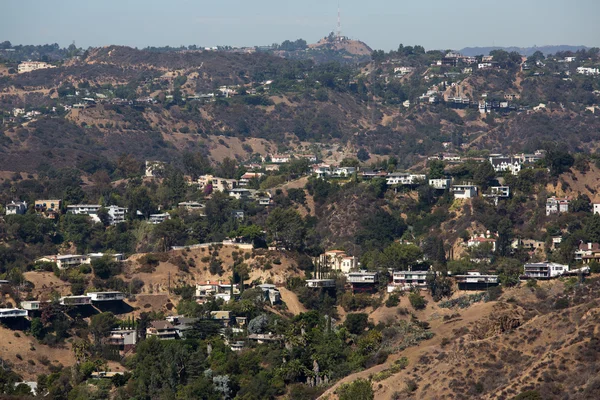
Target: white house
[(476, 281), (65, 260), (464, 191), (280, 158), (85, 209), (502, 164), (116, 215), (338, 260), (476, 241), (363, 277), (401, 178), (239, 193), (18, 207), (544, 270), (156, 219), (28, 66), (12, 313), (343, 171), (556, 205), (321, 170), (588, 71), (441, 183), (596, 208), (320, 283), (106, 296), (248, 176), (406, 280)]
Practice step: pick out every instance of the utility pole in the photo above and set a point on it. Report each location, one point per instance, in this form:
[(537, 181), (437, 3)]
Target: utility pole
[(169, 282)]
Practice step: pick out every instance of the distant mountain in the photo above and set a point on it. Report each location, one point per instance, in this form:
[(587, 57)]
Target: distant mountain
[(526, 51)]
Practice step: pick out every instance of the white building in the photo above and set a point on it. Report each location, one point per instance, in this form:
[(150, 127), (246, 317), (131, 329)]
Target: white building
[(406, 280), (476, 281), (441, 183), (338, 260), (502, 164), (343, 172), (239, 193), (156, 219), (12, 313), (364, 277), (320, 283), (28, 66), (545, 270), (248, 176), (321, 170), (464, 191), (476, 241), (65, 260), (280, 158), (588, 71), (90, 210), (556, 205), (191, 205), (400, 178), (106, 296), (18, 207), (596, 208), (116, 215)]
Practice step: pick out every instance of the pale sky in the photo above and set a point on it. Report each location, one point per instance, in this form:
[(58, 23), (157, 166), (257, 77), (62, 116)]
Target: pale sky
[(382, 24)]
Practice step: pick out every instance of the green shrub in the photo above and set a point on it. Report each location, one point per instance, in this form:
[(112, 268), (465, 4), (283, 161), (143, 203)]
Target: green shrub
[(392, 301), (417, 301)]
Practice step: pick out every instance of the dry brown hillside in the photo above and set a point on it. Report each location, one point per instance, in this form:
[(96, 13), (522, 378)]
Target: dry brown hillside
[(543, 339)]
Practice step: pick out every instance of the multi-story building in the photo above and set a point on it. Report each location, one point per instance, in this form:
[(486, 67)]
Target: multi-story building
[(441, 183), (596, 208), (476, 281), (50, 208), (338, 260), (106, 296), (320, 283), (163, 330), (503, 164), (123, 339), (156, 219), (401, 178), (544, 270), (247, 177), (464, 191), (557, 205), (363, 281), (16, 207), (90, 210), (116, 214), (65, 260), (28, 66), (406, 280)]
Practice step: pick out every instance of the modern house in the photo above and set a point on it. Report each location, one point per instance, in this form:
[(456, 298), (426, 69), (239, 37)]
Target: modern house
[(464, 191), (106, 296), (280, 159), (116, 215), (156, 219), (218, 184), (441, 183), (320, 283), (596, 208), (476, 281), (544, 270), (343, 172), (321, 170), (31, 305), (371, 174), (363, 281), (240, 193), (83, 209), (191, 205), (163, 330), (124, 339), (12, 313), (16, 208), (75, 300), (65, 260), (557, 205), (406, 280), (223, 317), (271, 293), (212, 288), (586, 249), (401, 178)]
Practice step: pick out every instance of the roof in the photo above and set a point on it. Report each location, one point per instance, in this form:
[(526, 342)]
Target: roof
[(161, 325)]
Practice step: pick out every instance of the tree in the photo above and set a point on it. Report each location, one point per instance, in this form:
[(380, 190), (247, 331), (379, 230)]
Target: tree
[(363, 154), (195, 164), (228, 168), (171, 232), (105, 267), (101, 325), (360, 389), (356, 323), (37, 328), (484, 174), (504, 236), (439, 286), (558, 161), (400, 257), (436, 169), (286, 226), (417, 301)]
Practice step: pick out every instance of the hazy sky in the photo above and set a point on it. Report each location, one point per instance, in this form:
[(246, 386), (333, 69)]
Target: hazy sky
[(383, 24)]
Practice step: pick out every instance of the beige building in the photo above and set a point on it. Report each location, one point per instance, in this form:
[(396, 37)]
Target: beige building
[(28, 66)]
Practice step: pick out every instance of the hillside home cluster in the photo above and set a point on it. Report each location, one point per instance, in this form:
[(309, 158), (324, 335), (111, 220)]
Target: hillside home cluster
[(557, 205)]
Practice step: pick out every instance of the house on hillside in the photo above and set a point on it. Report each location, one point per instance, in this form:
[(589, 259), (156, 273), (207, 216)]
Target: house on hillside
[(338, 260), (248, 176), (402, 178), (116, 214), (557, 205), (503, 164), (123, 339), (49, 208), (163, 330), (407, 280), (16, 208), (476, 281), (271, 293), (586, 249), (476, 241), (155, 168), (28, 66), (156, 219), (363, 281), (464, 191), (280, 158), (440, 183), (544, 270)]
